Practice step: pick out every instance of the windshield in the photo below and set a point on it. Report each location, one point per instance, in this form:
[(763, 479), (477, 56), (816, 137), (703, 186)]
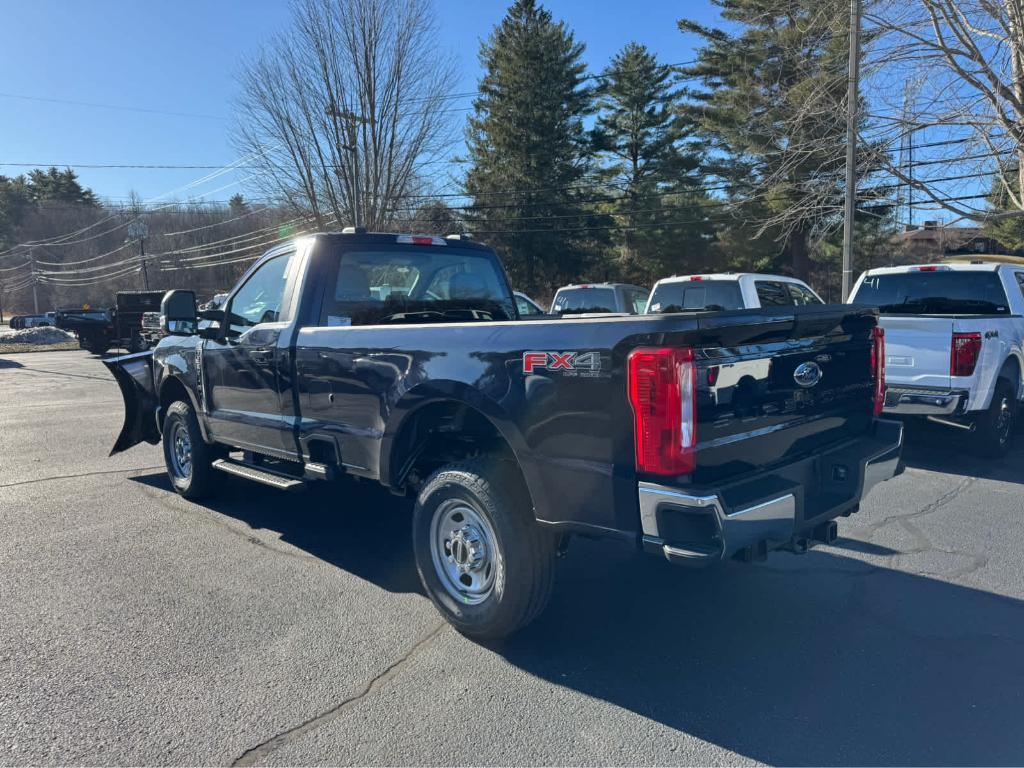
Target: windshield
[(582, 300), (696, 296), (416, 284), (945, 292)]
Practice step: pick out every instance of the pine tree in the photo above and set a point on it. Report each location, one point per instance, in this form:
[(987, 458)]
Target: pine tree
[(59, 186), (14, 201), (657, 202), (773, 108), (528, 149), (237, 205)]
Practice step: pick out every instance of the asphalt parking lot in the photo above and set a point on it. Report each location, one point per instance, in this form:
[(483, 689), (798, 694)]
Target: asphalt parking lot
[(138, 628)]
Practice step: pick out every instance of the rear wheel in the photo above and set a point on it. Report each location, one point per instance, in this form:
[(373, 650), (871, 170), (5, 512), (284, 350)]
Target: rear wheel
[(484, 561), (189, 459), (993, 428)]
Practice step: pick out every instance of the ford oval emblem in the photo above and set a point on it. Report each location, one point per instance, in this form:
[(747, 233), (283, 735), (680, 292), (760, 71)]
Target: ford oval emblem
[(807, 374)]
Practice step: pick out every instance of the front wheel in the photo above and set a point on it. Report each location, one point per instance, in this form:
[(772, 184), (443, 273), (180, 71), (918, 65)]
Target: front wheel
[(993, 428), (189, 459), (484, 561)]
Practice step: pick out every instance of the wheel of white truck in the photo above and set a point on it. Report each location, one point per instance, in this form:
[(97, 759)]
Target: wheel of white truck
[(188, 458), (993, 428), (483, 560)]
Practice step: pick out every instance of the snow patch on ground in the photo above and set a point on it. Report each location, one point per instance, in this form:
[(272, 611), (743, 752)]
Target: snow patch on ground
[(44, 335)]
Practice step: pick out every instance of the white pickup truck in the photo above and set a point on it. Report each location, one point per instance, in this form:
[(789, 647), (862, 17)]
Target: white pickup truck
[(954, 339), (728, 290)]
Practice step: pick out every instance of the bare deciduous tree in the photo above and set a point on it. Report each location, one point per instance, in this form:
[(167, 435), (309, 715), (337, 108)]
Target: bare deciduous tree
[(342, 113), (968, 56)]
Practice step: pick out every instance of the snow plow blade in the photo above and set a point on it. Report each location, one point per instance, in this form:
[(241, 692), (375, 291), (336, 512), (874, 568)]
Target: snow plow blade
[(134, 374)]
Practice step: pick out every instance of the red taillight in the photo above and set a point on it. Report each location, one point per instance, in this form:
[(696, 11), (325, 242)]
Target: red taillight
[(697, 277), (713, 372), (663, 392), (878, 368), (963, 354), (420, 240)]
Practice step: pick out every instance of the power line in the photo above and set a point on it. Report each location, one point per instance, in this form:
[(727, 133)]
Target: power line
[(201, 180), (110, 106)]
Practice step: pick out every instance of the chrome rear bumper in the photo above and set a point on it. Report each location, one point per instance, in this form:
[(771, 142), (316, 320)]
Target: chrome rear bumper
[(922, 401), (695, 529)]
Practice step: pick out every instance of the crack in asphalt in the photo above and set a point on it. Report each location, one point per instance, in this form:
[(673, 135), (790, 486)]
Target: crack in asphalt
[(923, 544), (258, 754), (83, 474), (932, 506)]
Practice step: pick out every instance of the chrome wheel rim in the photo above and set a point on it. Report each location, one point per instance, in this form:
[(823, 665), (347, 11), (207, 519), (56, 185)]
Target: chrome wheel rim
[(463, 548), (180, 451), (1004, 420)]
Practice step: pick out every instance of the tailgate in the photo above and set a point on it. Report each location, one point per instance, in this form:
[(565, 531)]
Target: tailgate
[(780, 389), (917, 350)]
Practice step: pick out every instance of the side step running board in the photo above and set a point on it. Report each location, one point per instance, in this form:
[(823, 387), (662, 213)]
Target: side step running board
[(273, 479)]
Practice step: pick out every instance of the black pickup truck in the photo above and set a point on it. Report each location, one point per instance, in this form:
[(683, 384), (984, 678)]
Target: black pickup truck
[(697, 436)]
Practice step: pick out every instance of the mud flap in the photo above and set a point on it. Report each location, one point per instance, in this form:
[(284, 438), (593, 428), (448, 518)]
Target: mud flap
[(134, 374)]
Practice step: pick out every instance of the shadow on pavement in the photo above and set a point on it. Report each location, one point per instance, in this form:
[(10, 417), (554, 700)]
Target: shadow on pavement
[(813, 660), (943, 449), (10, 363), (359, 528), (824, 661)]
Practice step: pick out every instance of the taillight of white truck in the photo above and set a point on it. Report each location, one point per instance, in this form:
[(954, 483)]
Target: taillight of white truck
[(964, 353)]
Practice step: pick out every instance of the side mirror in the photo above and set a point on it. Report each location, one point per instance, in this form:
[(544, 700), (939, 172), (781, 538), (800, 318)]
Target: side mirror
[(178, 313)]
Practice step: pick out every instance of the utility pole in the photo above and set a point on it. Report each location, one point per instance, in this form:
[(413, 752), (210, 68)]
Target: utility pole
[(35, 280), (351, 119), (853, 83), (1, 302), (142, 255), (138, 230)]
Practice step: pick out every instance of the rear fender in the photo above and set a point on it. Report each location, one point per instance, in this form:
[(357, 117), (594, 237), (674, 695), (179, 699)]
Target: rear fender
[(134, 375)]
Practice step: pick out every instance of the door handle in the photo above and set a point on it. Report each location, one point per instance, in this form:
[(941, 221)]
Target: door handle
[(261, 355)]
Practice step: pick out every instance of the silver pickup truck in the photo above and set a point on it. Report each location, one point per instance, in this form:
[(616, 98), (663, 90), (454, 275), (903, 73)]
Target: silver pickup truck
[(954, 336)]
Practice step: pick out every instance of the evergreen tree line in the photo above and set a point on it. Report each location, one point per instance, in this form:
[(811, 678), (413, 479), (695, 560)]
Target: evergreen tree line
[(733, 162)]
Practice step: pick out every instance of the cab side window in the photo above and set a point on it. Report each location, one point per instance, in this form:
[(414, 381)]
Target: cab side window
[(1020, 281), (526, 308), (801, 296), (261, 298), (772, 294), (638, 302)]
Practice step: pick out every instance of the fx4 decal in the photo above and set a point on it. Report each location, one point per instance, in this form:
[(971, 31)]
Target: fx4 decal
[(568, 363)]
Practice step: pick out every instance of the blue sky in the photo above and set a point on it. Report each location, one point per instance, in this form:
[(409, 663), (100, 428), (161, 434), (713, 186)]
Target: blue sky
[(182, 57)]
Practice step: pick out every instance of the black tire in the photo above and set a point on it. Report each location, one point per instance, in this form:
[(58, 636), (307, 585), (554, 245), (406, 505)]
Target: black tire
[(196, 478), (521, 555), (98, 348), (993, 428)]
